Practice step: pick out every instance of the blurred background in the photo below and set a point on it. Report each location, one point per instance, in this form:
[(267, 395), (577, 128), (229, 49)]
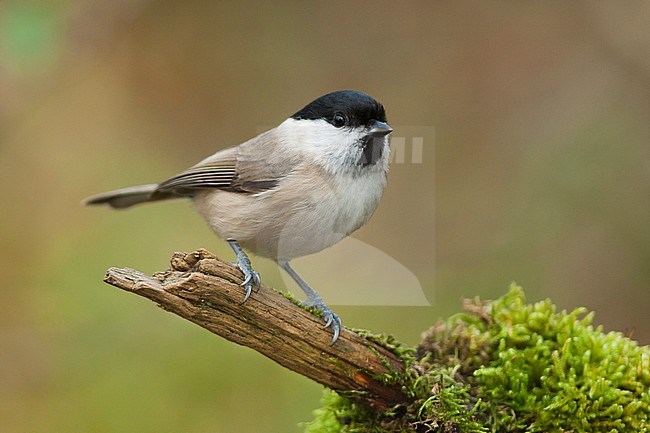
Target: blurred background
[(535, 168)]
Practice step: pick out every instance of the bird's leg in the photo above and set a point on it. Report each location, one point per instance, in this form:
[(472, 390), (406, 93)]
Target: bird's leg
[(314, 300), (251, 277)]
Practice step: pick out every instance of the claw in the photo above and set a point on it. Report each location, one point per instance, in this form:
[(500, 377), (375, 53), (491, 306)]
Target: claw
[(332, 320), (337, 330), (335, 322), (249, 290), (252, 280)]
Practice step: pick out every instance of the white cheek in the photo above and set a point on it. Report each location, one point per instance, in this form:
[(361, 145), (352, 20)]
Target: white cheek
[(321, 142)]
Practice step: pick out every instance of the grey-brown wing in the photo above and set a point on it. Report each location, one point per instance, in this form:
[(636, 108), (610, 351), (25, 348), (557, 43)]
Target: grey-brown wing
[(205, 177), (263, 162), (254, 166)]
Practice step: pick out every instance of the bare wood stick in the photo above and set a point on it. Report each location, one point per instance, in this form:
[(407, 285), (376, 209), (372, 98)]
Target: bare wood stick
[(205, 290)]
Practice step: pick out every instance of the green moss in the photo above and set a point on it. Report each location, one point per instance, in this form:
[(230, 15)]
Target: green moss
[(555, 372), (291, 297), (508, 366), (401, 350), (340, 414)]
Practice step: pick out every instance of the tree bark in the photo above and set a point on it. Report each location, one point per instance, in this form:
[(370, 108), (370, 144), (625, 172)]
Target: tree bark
[(205, 290)]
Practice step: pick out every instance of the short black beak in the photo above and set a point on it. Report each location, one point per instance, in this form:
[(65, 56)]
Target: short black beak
[(379, 129)]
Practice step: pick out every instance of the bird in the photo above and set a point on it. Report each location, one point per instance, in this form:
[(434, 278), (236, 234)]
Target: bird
[(291, 191)]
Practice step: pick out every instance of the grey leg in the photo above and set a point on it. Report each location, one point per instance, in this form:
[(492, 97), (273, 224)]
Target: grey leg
[(314, 300), (251, 277)]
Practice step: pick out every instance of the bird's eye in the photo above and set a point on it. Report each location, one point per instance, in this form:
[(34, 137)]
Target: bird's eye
[(339, 120)]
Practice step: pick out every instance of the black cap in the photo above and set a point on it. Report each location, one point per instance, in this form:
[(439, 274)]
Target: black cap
[(358, 109)]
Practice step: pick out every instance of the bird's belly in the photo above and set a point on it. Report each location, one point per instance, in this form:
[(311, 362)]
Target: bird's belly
[(282, 224)]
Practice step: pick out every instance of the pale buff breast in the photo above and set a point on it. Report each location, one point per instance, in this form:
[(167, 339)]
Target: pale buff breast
[(306, 213)]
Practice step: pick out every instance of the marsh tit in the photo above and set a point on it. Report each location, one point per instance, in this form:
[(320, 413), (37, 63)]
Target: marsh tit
[(291, 191)]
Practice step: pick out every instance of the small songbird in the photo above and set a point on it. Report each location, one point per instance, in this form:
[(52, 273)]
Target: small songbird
[(291, 191)]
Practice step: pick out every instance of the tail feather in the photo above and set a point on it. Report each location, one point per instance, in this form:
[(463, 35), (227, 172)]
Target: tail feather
[(127, 197)]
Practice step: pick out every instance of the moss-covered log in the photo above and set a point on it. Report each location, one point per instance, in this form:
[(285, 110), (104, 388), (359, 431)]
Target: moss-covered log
[(506, 366), (501, 366)]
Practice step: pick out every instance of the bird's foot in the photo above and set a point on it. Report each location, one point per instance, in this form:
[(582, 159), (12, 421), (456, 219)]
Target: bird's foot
[(252, 280), (332, 320)]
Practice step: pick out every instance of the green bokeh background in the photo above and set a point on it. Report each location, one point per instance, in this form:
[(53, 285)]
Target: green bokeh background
[(539, 172)]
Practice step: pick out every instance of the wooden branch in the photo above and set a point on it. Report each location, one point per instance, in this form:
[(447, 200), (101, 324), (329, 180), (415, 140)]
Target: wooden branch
[(205, 290)]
